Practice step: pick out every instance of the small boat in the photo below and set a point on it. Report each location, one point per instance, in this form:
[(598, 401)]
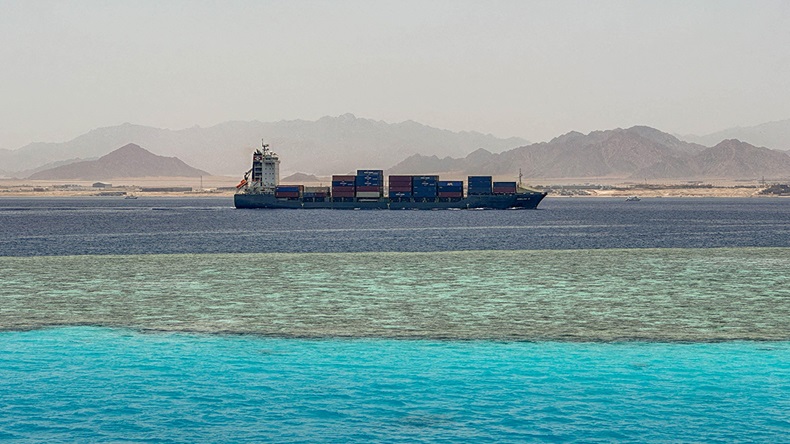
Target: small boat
[(632, 199)]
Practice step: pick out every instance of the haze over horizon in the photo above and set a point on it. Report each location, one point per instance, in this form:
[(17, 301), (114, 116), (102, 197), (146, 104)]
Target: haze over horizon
[(526, 69)]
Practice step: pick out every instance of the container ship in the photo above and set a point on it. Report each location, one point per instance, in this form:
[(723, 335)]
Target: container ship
[(261, 188)]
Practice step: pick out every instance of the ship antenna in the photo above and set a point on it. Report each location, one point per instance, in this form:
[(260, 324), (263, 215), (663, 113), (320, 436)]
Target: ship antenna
[(519, 177)]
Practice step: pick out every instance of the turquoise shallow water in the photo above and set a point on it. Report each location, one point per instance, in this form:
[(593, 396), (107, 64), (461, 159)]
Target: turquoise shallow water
[(573, 295), (85, 384)]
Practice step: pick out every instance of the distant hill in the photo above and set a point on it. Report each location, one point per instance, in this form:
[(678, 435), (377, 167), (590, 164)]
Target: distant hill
[(326, 146), (729, 159), (128, 161), (774, 135), (300, 178), (637, 153)]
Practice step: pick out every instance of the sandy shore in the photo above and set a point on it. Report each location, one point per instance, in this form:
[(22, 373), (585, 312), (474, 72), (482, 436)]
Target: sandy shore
[(223, 186)]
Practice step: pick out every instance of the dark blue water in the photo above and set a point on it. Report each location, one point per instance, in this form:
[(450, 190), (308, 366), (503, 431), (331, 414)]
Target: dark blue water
[(645, 306), (30, 227)]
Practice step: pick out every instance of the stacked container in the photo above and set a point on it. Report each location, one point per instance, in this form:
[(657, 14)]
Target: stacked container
[(317, 194), (479, 185), (288, 191), (424, 186), (504, 187), (400, 187), (369, 183), (450, 188), (343, 186)]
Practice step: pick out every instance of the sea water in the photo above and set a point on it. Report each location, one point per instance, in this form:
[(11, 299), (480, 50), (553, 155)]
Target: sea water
[(590, 320), (85, 384)]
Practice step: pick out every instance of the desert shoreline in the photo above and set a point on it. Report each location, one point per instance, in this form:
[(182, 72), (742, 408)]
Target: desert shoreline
[(224, 186)]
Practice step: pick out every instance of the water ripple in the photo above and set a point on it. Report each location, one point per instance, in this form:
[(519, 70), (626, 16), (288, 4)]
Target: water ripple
[(577, 295)]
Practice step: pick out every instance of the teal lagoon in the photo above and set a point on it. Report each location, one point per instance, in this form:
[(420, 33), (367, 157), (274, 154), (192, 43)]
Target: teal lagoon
[(116, 385)]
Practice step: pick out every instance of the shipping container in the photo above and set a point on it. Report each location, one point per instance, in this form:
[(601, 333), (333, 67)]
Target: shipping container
[(362, 181), (424, 193), (369, 188), (368, 194), (348, 178), (379, 173), (450, 187), (479, 179), (297, 188), (478, 185), (399, 194), (343, 183), (504, 187), (451, 194), (342, 194), (286, 194)]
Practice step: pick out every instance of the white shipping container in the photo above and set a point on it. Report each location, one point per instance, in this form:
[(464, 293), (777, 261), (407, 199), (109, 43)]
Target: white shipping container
[(368, 194)]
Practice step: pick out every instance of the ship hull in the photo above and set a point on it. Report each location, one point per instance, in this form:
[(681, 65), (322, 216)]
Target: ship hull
[(493, 202)]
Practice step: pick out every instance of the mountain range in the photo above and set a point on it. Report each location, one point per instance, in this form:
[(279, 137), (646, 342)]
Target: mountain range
[(775, 135), (325, 146), (128, 161), (636, 153), (338, 145)]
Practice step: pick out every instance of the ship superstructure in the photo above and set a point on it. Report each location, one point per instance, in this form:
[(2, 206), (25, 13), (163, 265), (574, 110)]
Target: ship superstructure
[(264, 176)]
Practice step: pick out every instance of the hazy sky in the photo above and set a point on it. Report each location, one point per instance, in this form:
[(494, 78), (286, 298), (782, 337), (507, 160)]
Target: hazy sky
[(534, 69)]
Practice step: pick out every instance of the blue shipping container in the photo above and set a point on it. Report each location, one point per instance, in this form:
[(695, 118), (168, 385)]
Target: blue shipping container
[(370, 173), (363, 181), (429, 192)]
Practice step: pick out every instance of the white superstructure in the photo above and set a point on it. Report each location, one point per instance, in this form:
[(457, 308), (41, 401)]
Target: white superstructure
[(265, 169)]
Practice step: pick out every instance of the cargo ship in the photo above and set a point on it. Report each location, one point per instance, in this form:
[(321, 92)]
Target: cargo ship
[(261, 188)]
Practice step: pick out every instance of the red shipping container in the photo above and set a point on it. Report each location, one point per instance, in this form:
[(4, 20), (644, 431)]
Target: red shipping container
[(342, 194), (287, 194), (451, 194), (344, 178)]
